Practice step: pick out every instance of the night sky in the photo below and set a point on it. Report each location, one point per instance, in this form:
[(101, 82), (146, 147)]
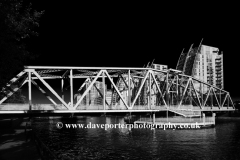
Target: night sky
[(131, 35)]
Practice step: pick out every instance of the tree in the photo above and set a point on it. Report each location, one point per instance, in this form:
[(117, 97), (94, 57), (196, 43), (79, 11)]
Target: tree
[(18, 22)]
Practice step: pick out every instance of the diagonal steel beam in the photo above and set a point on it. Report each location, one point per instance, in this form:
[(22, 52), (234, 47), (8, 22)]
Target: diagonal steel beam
[(224, 99), (161, 95), (216, 98), (62, 77), (88, 89), (196, 94), (43, 92), (129, 88), (207, 97), (123, 80), (139, 90), (116, 89), (113, 93), (164, 82), (8, 85), (64, 74), (99, 92), (16, 78), (169, 86), (231, 100), (180, 103), (132, 79), (30, 89), (14, 90), (51, 89), (84, 83)]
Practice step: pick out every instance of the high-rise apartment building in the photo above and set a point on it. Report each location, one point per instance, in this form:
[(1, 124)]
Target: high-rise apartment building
[(204, 63), (109, 96), (208, 66)]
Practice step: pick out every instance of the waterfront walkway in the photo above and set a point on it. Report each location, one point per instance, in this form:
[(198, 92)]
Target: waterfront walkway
[(15, 143)]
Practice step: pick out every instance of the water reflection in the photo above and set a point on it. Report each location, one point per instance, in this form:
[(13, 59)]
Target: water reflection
[(220, 142)]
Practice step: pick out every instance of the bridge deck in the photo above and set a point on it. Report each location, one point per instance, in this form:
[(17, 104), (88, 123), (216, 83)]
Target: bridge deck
[(49, 108)]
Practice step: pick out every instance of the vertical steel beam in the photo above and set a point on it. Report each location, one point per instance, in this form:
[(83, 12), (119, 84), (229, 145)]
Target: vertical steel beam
[(129, 88), (104, 92), (30, 90), (201, 85), (167, 100), (150, 94), (71, 86), (211, 96), (62, 84), (62, 90), (177, 90), (190, 91)]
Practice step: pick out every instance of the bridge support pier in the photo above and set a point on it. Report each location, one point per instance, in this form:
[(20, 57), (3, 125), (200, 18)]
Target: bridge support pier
[(153, 120), (213, 116), (203, 116)]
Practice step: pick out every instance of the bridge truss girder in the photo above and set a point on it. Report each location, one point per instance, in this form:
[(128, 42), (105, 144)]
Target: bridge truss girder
[(133, 87)]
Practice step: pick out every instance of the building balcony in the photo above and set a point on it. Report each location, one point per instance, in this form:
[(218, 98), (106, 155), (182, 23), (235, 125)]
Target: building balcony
[(219, 77), (218, 64), (218, 61)]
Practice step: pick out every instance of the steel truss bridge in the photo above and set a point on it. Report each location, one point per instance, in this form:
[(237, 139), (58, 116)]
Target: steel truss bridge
[(132, 90)]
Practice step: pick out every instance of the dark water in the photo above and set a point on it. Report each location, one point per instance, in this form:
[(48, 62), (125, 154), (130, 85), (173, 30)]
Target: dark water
[(220, 142)]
